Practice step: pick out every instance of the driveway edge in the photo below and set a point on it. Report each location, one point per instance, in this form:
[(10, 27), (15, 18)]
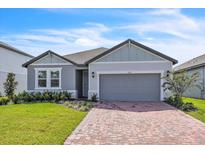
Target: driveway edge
[(78, 128)]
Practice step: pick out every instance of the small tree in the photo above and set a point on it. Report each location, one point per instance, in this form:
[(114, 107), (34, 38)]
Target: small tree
[(178, 83), (10, 85)]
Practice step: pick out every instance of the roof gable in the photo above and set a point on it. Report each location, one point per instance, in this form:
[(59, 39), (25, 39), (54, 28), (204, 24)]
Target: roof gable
[(42, 57), (130, 52), (50, 59), (138, 45)]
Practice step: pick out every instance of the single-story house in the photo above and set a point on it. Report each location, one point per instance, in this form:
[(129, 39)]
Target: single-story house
[(195, 65), (11, 60), (128, 71)]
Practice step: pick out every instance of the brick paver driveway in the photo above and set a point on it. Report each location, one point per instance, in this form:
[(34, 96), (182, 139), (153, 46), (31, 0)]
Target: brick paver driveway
[(137, 123)]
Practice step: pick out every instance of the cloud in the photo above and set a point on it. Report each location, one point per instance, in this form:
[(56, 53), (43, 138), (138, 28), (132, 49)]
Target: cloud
[(42, 38), (167, 21), (171, 32), (62, 40), (168, 30)]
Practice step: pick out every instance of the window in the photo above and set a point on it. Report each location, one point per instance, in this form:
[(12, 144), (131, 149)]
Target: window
[(48, 78), (55, 80), (42, 79)]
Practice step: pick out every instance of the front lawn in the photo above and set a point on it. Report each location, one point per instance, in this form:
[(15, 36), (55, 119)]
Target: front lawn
[(200, 104), (38, 123)]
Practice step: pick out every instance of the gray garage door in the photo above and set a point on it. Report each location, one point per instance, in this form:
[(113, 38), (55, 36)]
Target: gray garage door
[(130, 87)]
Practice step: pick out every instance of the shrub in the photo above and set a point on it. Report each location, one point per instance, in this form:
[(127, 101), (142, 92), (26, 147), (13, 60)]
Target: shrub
[(10, 85), (94, 97), (173, 101), (4, 100), (15, 99), (188, 107), (26, 97), (38, 96), (182, 106), (67, 95)]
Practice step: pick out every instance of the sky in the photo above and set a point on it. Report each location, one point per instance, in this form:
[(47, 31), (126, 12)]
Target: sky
[(179, 33)]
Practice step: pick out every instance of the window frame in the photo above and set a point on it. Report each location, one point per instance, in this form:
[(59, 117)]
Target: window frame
[(41, 78), (48, 78)]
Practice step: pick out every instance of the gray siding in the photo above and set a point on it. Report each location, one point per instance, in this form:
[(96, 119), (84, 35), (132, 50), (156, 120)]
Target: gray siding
[(194, 91), (130, 52), (68, 74)]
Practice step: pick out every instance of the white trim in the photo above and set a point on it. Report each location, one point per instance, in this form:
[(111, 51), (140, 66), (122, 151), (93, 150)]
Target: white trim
[(50, 64), (49, 68), (131, 72), (48, 78), (81, 68), (130, 62)]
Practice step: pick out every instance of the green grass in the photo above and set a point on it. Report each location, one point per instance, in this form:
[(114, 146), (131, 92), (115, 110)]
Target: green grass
[(200, 104), (38, 123)]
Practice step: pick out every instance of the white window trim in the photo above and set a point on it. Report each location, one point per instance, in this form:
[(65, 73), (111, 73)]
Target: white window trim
[(48, 78), (53, 64)]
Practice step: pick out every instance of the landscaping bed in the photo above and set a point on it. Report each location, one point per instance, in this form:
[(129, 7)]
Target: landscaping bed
[(37, 123)]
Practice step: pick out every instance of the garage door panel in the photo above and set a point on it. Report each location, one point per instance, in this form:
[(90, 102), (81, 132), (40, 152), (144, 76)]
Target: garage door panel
[(130, 87)]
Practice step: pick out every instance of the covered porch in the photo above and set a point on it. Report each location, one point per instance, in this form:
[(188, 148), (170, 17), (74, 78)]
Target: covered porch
[(82, 83)]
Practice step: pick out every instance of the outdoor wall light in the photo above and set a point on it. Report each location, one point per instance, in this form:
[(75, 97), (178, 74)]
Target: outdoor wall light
[(93, 74), (168, 73)]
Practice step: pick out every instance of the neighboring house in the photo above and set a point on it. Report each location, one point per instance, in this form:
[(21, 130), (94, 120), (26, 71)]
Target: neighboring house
[(128, 71), (11, 60), (195, 65)]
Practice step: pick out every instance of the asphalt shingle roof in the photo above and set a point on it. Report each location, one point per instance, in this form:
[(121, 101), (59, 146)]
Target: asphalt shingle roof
[(193, 63), (84, 56)]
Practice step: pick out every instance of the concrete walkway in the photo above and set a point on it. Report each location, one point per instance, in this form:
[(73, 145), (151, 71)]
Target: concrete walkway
[(137, 123)]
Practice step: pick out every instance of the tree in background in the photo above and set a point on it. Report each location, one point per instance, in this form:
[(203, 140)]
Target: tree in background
[(178, 83), (10, 85)]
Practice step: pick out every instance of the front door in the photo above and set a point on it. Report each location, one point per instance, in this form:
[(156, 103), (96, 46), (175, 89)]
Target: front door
[(85, 83)]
